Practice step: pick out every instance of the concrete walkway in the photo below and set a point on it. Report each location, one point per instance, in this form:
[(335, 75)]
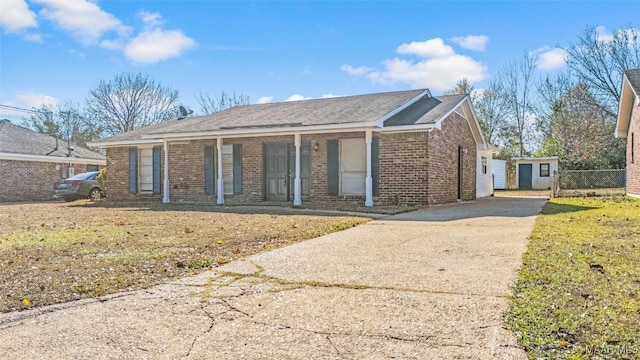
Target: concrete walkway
[(430, 284)]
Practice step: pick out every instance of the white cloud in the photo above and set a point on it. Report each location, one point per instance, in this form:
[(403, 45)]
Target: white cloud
[(83, 19), (361, 70), (441, 69), (297, 97), (15, 16), (265, 100), (551, 59), (157, 45), (603, 35), (35, 100), (327, 96), (36, 38), (472, 42), (154, 44), (112, 44), (150, 19), (428, 49)]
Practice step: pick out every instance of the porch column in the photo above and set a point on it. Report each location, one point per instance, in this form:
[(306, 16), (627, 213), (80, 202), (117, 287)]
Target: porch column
[(368, 180), (297, 183), (165, 187), (220, 192)]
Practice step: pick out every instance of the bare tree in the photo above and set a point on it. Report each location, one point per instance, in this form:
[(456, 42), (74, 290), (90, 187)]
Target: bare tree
[(129, 102), (65, 121), (490, 106), (517, 83), (599, 60), (210, 105), (463, 86), (576, 127)]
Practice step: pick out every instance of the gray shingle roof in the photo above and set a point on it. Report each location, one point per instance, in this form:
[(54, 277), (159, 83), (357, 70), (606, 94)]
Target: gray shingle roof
[(330, 111), (15, 139), (634, 79)]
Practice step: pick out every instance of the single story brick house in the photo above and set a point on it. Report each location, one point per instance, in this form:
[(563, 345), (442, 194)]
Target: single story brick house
[(628, 127), (404, 147), (30, 163)]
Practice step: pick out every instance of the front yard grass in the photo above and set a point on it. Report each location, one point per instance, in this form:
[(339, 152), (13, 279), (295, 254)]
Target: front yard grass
[(57, 252), (578, 293)]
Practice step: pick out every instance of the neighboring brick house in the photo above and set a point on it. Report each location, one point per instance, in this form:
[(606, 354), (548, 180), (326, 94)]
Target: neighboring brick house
[(628, 126), (404, 147), (30, 163)]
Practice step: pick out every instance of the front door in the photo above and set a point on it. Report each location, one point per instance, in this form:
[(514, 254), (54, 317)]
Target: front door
[(277, 171), (524, 176)]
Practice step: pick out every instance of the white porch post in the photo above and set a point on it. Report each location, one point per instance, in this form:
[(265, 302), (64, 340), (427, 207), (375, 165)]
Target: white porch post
[(220, 198), (297, 183), (368, 180), (165, 187)]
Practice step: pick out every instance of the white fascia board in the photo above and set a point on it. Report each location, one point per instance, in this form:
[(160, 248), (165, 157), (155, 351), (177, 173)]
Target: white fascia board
[(380, 121), (50, 159), (529, 158), (406, 128), (625, 108), (124, 143), (255, 132)]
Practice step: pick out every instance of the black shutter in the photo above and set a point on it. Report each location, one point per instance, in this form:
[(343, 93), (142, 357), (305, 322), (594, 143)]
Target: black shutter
[(133, 170), (156, 169), (333, 167), (375, 163), (209, 183), (237, 169)]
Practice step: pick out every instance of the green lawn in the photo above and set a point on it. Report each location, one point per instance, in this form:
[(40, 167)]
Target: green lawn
[(578, 293)]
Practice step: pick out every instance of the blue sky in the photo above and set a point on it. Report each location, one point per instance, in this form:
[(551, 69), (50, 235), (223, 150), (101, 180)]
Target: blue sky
[(57, 50)]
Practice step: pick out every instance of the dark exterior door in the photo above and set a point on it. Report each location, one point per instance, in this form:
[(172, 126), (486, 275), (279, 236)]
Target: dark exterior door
[(524, 176), (277, 171)]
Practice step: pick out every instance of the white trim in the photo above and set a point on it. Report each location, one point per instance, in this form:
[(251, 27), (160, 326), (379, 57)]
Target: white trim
[(380, 121), (368, 184), (476, 131), (625, 108), (297, 182), (405, 128), (51, 159), (529, 158), (252, 132), (220, 197), (165, 188), (124, 143)]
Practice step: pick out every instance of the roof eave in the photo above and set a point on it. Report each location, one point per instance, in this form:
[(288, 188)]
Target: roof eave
[(625, 108), (248, 132), (52, 159), (380, 121), (105, 144), (471, 118)]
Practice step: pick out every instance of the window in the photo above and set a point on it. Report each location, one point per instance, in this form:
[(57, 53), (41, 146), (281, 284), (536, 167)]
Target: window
[(544, 170), (353, 166), (145, 172), (92, 168), (484, 165)]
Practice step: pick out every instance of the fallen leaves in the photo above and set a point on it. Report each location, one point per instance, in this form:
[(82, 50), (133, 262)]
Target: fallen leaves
[(188, 231), (120, 223), (26, 302)]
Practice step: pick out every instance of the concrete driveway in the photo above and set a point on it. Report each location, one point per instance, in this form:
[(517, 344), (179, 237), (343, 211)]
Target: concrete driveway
[(430, 284)]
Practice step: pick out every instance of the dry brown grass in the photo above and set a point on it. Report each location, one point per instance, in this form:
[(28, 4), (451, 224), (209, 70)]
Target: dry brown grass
[(57, 252)]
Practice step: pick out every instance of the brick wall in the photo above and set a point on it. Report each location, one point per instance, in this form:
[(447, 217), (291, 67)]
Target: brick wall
[(633, 168), (403, 168), (443, 161), (31, 180), (404, 176)]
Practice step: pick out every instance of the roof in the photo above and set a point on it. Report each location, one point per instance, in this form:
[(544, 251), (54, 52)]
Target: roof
[(17, 140), (628, 95), (399, 110)]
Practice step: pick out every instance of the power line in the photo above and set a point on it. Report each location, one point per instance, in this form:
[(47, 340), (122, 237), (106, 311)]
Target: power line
[(15, 108)]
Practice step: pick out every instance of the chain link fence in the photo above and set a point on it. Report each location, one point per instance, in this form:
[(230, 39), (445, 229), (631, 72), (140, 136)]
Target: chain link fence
[(589, 182)]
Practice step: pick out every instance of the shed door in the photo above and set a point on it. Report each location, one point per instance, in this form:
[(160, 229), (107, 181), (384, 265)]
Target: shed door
[(524, 176)]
